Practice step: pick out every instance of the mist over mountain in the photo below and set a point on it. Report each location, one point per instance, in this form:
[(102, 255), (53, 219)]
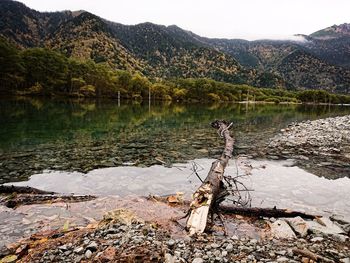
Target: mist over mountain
[(317, 61)]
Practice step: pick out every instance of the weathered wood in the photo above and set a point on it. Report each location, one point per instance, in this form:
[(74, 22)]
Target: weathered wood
[(14, 196), (311, 255), (207, 195), (263, 212), (10, 189), (244, 211), (29, 199)]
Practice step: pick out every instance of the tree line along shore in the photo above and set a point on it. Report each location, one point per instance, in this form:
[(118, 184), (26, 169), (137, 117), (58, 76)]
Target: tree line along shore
[(43, 72)]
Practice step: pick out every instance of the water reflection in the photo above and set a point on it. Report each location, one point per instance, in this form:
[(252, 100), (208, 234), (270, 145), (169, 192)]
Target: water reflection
[(81, 135)]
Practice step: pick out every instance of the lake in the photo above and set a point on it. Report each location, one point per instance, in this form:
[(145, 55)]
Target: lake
[(79, 135)]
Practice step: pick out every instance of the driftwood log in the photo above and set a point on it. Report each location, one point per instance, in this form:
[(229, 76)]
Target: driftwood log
[(263, 212), (212, 191), (237, 210), (13, 196), (10, 189)]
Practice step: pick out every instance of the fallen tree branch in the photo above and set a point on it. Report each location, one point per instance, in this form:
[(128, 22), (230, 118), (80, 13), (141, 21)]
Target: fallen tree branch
[(212, 190), (10, 189), (311, 255), (263, 212), (14, 196), (235, 210), (29, 199)]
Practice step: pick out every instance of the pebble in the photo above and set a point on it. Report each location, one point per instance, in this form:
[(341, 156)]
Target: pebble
[(316, 239), (63, 247), (168, 258), (88, 254), (281, 252), (78, 250), (214, 245), (92, 246), (171, 242), (229, 247)]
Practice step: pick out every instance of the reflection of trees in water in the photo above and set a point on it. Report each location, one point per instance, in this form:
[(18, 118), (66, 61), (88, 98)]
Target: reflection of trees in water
[(44, 121), (82, 135)]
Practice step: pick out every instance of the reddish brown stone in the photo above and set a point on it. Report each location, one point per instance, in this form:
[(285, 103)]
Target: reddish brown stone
[(107, 255)]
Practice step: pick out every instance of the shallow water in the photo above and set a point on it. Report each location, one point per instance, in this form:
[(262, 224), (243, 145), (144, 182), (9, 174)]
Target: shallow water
[(274, 183), (73, 135)]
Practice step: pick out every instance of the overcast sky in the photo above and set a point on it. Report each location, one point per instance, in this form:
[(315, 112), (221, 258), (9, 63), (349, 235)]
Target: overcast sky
[(248, 19)]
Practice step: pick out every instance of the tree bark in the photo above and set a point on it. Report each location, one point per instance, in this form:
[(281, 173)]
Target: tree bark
[(212, 190), (244, 211), (263, 212), (30, 199)]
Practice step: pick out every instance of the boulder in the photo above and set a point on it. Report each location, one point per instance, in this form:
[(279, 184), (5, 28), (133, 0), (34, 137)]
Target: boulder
[(281, 229), (299, 225), (324, 226)]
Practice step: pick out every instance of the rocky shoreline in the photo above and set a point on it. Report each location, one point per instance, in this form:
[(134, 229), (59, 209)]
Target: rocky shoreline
[(322, 144), (122, 237)]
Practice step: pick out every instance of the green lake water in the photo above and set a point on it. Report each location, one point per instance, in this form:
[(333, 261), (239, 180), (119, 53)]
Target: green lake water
[(70, 135)]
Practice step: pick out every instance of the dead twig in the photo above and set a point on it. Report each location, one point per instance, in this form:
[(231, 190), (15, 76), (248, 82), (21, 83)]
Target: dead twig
[(311, 255)]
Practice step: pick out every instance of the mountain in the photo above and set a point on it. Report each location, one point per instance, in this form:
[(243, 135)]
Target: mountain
[(86, 36), (155, 50), (335, 31), (306, 70), (173, 52), (331, 44), (27, 27), (319, 61)]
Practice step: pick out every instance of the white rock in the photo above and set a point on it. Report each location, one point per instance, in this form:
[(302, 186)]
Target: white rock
[(345, 260), (168, 258), (281, 229), (282, 259), (197, 260), (341, 238), (229, 247), (299, 225), (317, 239), (88, 254), (325, 226)]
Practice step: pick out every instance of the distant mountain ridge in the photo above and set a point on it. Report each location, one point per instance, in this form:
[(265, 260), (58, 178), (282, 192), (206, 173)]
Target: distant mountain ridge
[(334, 31), (321, 61)]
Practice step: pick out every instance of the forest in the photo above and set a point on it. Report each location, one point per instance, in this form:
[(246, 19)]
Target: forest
[(44, 72)]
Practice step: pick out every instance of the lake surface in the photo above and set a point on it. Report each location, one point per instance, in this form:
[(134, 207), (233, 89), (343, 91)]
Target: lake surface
[(278, 184), (71, 135)]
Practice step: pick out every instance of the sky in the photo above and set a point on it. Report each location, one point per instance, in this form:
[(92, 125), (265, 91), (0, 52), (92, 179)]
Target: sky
[(247, 19)]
